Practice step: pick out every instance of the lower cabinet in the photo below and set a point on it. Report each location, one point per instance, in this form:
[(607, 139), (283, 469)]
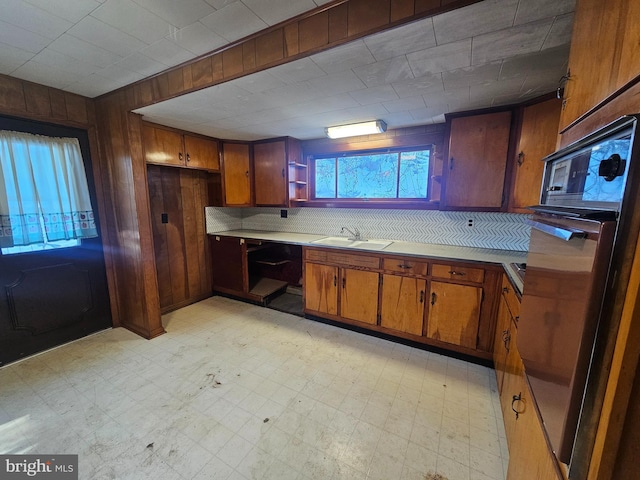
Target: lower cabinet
[(359, 287), (402, 303), (454, 314), (529, 454), (437, 304), (321, 288)]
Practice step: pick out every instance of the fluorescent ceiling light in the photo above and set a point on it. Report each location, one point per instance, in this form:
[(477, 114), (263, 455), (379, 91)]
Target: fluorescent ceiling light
[(355, 129)]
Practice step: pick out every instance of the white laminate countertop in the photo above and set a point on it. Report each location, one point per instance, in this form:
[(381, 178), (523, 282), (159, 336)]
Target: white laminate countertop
[(471, 254)]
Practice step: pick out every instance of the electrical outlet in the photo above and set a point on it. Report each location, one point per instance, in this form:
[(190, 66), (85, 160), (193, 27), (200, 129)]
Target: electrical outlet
[(283, 213), (470, 222)]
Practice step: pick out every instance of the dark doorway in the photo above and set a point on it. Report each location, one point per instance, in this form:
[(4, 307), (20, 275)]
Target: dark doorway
[(51, 297)]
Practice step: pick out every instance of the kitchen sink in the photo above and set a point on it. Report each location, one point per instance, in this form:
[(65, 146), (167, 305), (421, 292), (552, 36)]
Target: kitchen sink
[(348, 243)]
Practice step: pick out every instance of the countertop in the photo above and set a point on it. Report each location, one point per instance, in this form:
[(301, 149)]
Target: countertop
[(472, 254)]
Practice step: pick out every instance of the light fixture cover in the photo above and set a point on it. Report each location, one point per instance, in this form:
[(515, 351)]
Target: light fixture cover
[(355, 129)]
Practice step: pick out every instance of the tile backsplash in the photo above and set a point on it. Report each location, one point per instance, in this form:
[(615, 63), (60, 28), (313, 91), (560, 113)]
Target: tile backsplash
[(503, 231)]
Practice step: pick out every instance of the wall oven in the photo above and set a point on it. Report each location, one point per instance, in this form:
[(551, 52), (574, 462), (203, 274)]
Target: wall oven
[(573, 237)]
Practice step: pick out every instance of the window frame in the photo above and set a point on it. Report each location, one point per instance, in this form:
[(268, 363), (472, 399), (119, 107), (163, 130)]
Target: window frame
[(409, 203)]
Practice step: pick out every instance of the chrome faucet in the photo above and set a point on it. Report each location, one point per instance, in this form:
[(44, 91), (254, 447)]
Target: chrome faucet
[(354, 235)]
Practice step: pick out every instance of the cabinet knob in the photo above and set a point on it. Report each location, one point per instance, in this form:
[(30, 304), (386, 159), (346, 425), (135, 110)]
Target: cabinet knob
[(180, 156), (505, 290), (344, 282), (451, 163), (456, 274), (188, 158), (406, 267), (421, 296), (283, 173), (520, 158), (335, 280), (246, 174), (433, 298)]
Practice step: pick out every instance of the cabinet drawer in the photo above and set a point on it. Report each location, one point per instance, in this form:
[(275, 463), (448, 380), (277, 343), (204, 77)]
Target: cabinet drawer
[(316, 255), (454, 272), (510, 296), (353, 260), (409, 267)]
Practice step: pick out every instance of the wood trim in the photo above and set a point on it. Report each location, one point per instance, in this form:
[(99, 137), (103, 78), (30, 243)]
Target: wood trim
[(290, 40)]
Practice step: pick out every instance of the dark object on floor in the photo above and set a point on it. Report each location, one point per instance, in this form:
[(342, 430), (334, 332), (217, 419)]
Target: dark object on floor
[(288, 303)]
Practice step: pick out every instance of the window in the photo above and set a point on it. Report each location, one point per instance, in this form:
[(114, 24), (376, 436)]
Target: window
[(44, 196), (390, 176)]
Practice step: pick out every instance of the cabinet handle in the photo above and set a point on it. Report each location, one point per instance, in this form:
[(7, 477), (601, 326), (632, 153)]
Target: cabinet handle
[(180, 156), (283, 173), (433, 298), (505, 290), (406, 267), (520, 158), (451, 163), (246, 174), (421, 296), (188, 158), (516, 398), (344, 282), (335, 280), (459, 274), (506, 338)]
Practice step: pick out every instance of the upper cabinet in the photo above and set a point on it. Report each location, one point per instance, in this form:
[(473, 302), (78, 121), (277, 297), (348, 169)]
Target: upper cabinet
[(280, 173), (537, 139), (475, 174), (167, 146), (604, 54), (236, 174)]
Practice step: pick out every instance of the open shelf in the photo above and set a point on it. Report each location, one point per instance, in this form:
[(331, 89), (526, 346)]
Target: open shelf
[(263, 287), (273, 262), (298, 165)]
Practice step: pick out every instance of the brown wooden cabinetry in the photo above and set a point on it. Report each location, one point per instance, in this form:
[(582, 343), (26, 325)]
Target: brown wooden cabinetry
[(454, 313), (236, 174), (529, 453), (280, 173), (475, 174), (177, 200), (321, 288), (402, 303), (443, 305), (167, 146), (229, 259), (537, 139), (358, 289)]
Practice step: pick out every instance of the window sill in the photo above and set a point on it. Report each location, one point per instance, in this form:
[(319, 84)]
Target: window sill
[(382, 204)]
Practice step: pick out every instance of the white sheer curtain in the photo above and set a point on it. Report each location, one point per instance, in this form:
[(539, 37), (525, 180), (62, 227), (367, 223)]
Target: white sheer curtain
[(43, 190)]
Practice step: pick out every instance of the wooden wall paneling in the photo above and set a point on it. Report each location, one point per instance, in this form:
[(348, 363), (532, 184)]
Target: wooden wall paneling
[(270, 49), (367, 15), (161, 248), (190, 199), (249, 54), (172, 184), (202, 72), (175, 81), (232, 62), (129, 217), (12, 95), (426, 5), (37, 99), (629, 65), (202, 243), (59, 105), (291, 43), (402, 9), (314, 31), (338, 23)]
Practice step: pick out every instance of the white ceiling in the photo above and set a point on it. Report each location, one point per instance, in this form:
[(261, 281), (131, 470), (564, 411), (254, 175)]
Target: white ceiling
[(491, 53)]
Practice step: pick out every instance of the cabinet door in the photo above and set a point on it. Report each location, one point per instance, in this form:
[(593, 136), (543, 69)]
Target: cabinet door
[(538, 137), (236, 174), (454, 313), (270, 172), (201, 153), (229, 263), (321, 288), (502, 341), (513, 386), (477, 160), (359, 298), (402, 306), (162, 146), (529, 454)]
